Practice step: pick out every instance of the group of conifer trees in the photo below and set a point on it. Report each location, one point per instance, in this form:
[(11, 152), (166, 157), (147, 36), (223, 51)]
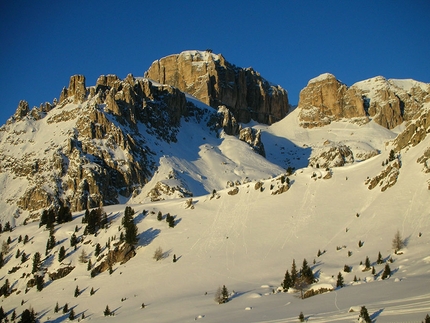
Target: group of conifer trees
[(297, 279)]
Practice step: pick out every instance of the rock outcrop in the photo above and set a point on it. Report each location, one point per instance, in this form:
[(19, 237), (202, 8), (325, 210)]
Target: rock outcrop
[(387, 102), (325, 99), (102, 153), (331, 154), (214, 81), (253, 138)]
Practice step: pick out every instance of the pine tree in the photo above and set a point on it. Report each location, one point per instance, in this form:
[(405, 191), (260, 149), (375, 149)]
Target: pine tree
[(287, 283), (364, 315), (379, 260), (25, 239), (98, 250), (392, 155), (23, 257), (427, 319), (36, 262), (39, 282), (89, 265), (73, 240), (301, 317), (107, 311), (159, 216), (72, 315), (92, 292), (367, 263), (398, 242), (61, 254), (1, 260), (307, 273), (56, 308), (387, 272), (2, 314), (130, 226), (65, 308), (77, 291), (28, 316), (339, 282), (83, 257), (13, 316), (174, 258), (221, 295), (293, 273)]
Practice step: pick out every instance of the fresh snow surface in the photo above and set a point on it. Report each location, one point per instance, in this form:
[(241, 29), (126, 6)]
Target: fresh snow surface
[(247, 241)]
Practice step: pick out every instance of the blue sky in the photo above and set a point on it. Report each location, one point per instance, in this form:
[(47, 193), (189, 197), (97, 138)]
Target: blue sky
[(43, 43)]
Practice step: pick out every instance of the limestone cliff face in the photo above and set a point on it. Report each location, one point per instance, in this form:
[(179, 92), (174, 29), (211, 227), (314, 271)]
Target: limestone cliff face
[(387, 102), (325, 99), (214, 81)]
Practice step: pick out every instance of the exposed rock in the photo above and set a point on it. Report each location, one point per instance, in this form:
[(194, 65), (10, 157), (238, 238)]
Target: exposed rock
[(415, 131), (387, 102), (118, 255), (163, 189), (284, 188), (61, 272), (330, 155), (233, 191), (22, 110), (325, 99), (228, 121), (425, 160), (253, 138), (258, 185), (386, 178), (214, 81), (77, 88)]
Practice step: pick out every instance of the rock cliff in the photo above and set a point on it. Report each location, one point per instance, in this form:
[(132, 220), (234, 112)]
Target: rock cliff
[(387, 102), (87, 149), (214, 81)]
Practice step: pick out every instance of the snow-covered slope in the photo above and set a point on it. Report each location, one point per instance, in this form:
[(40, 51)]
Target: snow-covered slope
[(247, 241)]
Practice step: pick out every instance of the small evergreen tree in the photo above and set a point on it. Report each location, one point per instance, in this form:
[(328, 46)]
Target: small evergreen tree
[(159, 216), (427, 319), (39, 282), (301, 317), (293, 272), (28, 316), (77, 291), (174, 258), (107, 311), (83, 257), (36, 262), (287, 283), (364, 316), (398, 242), (92, 292), (61, 254), (392, 155), (379, 260), (65, 308), (339, 282), (72, 315), (98, 250), (367, 263), (56, 308), (373, 270), (1, 260), (221, 295), (25, 239), (23, 257), (387, 272), (89, 265), (13, 316), (73, 240), (2, 314)]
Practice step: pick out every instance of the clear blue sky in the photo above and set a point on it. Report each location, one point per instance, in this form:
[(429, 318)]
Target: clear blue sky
[(43, 43)]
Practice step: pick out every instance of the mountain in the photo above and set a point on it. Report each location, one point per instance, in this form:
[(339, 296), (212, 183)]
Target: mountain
[(245, 199)]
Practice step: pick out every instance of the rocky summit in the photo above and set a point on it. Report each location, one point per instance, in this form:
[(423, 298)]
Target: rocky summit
[(215, 81)]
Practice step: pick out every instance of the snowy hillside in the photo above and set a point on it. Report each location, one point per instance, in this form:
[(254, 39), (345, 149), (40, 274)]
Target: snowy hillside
[(246, 240)]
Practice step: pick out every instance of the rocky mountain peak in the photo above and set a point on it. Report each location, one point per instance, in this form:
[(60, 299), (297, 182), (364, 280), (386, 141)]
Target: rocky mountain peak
[(214, 81), (387, 102)]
